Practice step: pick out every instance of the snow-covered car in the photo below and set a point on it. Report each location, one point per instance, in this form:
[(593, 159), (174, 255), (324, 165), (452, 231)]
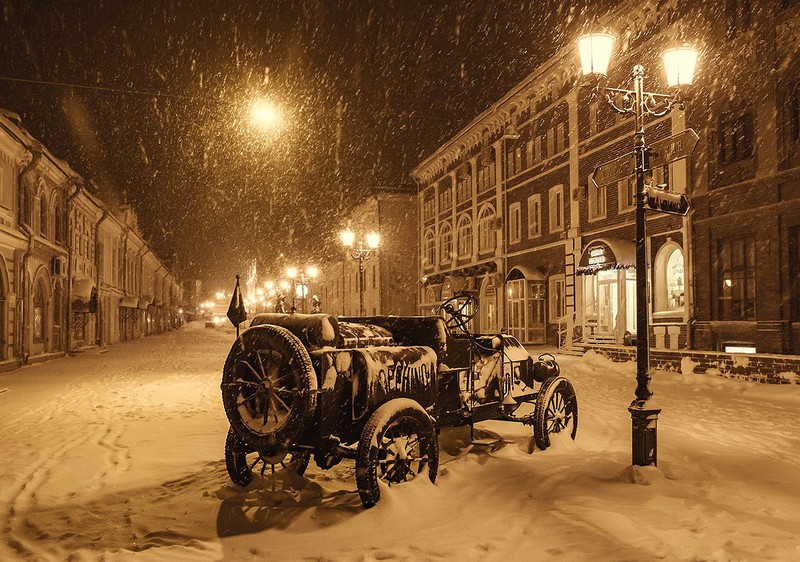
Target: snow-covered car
[(377, 389)]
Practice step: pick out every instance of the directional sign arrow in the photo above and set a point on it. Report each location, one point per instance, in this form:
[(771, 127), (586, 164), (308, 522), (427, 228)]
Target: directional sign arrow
[(663, 201), (615, 170), (672, 148)]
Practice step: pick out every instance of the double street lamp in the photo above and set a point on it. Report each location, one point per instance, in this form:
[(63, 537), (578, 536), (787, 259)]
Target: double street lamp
[(364, 250), (679, 63), (300, 282)]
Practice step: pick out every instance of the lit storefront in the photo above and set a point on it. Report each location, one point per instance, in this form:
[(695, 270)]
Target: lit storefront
[(609, 290), (525, 304)]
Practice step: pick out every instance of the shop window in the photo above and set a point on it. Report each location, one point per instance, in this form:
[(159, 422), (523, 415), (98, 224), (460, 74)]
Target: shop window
[(464, 236), (597, 201), (735, 138), (445, 243), (430, 249), (525, 310), (534, 216), (514, 223), (557, 289), (487, 240), (736, 273), (556, 208), (39, 303), (670, 280)]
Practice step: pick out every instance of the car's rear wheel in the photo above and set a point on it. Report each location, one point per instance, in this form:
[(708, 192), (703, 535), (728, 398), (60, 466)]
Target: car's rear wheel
[(243, 461), (556, 411), (269, 388), (398, 444)]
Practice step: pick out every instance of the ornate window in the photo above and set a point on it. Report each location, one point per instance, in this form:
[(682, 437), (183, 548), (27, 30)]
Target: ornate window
[(464, 234), (670, 281), (43, 212), (445, 243), (430, 250), (736, 273), (487, 240), (39, 310)]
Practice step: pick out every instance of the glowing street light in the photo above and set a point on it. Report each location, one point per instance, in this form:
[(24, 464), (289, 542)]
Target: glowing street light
[(362, 253), (679, 63), (265, 114)]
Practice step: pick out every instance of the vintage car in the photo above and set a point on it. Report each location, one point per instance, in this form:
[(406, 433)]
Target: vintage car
[(377, 389)]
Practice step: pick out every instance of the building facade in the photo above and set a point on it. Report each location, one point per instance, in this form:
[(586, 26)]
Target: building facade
[(60, 290), (509, 214), (390, 280)]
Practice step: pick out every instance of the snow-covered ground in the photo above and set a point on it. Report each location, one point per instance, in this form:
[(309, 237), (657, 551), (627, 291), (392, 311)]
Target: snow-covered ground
[(120, 454)]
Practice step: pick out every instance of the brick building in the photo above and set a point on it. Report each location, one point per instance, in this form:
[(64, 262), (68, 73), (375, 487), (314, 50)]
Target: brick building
[(390, 276), (507, 211)]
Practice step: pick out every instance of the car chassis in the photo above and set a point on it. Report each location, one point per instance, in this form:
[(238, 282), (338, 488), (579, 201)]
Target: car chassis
[(377, 390)]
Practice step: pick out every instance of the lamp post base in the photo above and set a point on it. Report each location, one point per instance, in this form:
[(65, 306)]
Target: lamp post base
[(644, 421)]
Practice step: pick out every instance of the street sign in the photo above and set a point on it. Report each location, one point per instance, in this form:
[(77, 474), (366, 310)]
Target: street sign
[(615, 170), (665, 202), (671, 148)]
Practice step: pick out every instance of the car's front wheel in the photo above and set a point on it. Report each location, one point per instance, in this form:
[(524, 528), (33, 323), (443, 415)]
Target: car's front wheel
[(398, 444), (556, 411)]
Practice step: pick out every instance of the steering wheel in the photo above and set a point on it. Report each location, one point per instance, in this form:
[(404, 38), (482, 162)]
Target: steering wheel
[(456, 310)]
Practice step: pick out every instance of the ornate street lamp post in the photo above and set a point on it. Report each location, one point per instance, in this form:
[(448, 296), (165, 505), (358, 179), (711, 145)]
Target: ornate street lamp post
[(366, 248), (300, 282), (679, 63)]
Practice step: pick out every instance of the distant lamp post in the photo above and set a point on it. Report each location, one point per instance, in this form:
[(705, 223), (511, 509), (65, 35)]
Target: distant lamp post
[(366, 248), (300, 283), (679, 63)]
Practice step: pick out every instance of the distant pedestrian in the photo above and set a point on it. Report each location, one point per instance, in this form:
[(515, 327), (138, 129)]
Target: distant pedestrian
[(280, 306), (315, 307)]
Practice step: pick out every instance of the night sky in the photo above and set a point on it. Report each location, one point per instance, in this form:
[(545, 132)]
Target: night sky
[(162, 120)]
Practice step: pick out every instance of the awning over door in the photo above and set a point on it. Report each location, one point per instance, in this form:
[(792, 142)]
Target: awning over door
[(145, 301), (607, 253)]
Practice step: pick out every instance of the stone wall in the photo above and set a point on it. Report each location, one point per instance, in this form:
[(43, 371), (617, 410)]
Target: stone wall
[(773, 369)]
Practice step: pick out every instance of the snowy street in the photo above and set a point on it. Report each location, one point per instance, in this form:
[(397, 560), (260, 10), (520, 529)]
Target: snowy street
[(119, 454)]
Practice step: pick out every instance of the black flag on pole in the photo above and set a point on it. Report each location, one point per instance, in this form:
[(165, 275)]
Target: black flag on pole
[(236, 311)]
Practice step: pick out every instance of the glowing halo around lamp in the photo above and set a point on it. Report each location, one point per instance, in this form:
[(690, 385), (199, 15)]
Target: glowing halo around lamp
[(595, 52), (680, 64)]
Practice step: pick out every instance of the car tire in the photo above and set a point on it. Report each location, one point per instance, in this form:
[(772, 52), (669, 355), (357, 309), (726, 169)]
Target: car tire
[(269, 388), (383, 453), (240, 467), (556, 411)]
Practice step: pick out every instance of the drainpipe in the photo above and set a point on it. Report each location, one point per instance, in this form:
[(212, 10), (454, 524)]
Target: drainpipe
[(99, 322), (68, 321), (24, 347)]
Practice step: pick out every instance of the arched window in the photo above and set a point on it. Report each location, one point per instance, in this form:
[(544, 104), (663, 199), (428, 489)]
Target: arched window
[(27, 206), (670, 282), (43, 211), (445, 243), (464, 234), (487, 239), (59, 221), (430, 250), (39, 309)]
